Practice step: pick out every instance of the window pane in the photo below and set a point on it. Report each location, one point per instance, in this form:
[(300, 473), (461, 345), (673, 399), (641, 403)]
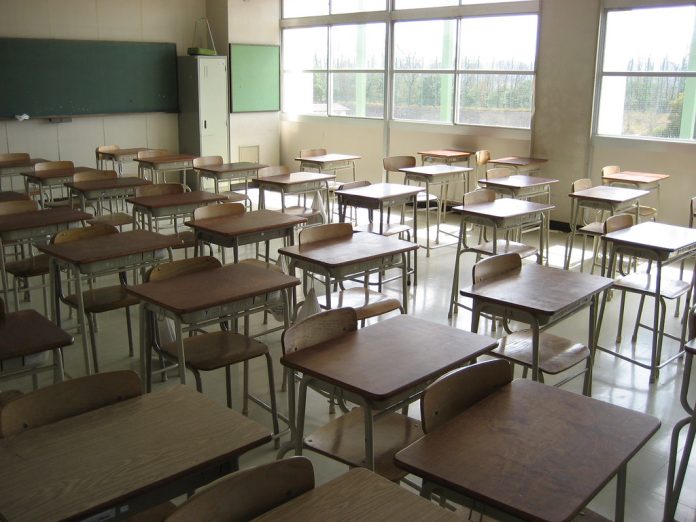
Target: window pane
[(304, 48), (414, 4), (644, 106), (498, 43), (295, 8), (357, 46), (424, 97), (358, 94), (304, 93), (650, 40), (501, 100), (424, 45), (356, 6)]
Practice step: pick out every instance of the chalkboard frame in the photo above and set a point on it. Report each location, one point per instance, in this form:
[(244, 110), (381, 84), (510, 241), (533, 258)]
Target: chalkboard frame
[(254, 78)]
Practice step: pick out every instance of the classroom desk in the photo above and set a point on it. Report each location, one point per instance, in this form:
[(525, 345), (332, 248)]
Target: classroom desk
[(532, 451), (101, 255), (605, 198), (538, 296), (241, 171), (640, 180), (112, 462), (329, 162), (446, 156), (519, 164), (26, 333), (358, 495), (171, 205), (246, 229), (118, 157), (521, 186), (33, 226), (210, 295), (160, 165), (8, 195), (663, 244), (296, 183), (17, 167), (381, 367), (51, 178), (360, 253), (98, 189)]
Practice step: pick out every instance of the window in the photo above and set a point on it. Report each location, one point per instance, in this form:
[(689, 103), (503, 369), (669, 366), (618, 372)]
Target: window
[(305, 64), (648, 74), (302, 8)]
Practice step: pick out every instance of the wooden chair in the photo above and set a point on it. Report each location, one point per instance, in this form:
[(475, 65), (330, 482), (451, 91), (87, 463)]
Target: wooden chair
[(484, 247), (208, 351), (483, 157), (343, 438), (556, 354), (300, 209), (101, 299), (366, 302), (586, 227), (100, 160), (644, 213), (116, 219), (232, 196), (187, 237), (249, 493), (499, 172)]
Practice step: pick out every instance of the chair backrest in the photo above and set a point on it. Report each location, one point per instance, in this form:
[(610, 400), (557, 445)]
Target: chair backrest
[(319, 328), (206, 161), (224, 209), (354, 185), (17, 207), (89, 175), (323, 232), (483, 157), (394, 163), (182, 267), (617, 222), (492, 266), (276, 170), (479, 196), (581, 184), (14, 156), (248, 493), (308, 153), (692, 211), (499, 172), (610, 169), (53, 165), (67, 399), (76, 234), (459, 389), (159, 189)]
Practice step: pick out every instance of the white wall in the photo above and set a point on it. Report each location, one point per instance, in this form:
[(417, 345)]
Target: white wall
[(125, 20)]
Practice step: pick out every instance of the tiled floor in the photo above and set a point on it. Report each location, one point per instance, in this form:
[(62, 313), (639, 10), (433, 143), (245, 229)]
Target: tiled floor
[(615, 381)]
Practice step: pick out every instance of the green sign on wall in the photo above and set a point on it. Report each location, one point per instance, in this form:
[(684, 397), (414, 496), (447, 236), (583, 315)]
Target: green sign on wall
[(255, 78)]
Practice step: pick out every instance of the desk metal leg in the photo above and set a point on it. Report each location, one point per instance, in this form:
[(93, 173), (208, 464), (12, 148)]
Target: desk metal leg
[(89, 368), (404, 281), (658, 326), (369, 437), (145, 375), (620, 494), (300, 419), (180, 349)]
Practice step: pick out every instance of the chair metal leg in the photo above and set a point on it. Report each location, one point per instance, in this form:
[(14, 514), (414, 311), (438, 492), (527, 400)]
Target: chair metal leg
[(93, 341), (129, 328), (228, 381), (271, 391), (245, 394)]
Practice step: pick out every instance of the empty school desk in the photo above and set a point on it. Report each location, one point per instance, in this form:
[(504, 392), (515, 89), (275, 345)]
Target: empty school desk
[(446, 156), (538, 296), (47, 179), (329, 162), (18, 166), (359, 254), (103, 255), (246, 229), (533, 452), (520, 164), (381, 367), (100, 189), (296, 183), (170, 205), (160, 165), (241, 172), (115, 461), (207, 296), (30, 227), (358, 495), (118, 157)]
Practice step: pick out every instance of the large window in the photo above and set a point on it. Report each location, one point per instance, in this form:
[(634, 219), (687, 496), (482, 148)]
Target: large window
[(300, 8), (648, 73)]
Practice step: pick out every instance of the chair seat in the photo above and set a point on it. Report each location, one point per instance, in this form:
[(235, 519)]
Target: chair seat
[(262, 264), (307, 213), (28, 267), (647, 212), (556, 354), (104, 299), (592, 229), (391, 229), (234, 197), (505, 247), (344, 440), (116, 219), (366, 304), (210, 351), (155, 514), (188, 239), (644, 283)]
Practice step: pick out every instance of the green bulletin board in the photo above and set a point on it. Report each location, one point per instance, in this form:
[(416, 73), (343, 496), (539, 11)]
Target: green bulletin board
[(255, 78)]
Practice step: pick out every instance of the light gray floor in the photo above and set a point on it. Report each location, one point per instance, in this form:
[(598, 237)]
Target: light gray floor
[(615, 381)]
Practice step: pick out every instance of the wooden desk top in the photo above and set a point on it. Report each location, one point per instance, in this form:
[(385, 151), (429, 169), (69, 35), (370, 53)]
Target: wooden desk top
[(56, 173), (155, 161), (113, 246), (118, 153), (174, 200), (659, 237), (107, 184), (517, 161), (436, 170), (503, 208), (517, 181), (359, 247), (84, 464), (8, 195), (21, 163), (41, 218), (609, 194), (210, 288), (392, 356), (446, 153), (641, 178), (295, 178), (540, 290), (328, 158), (242, 166), (358, 495), (27, 332), (532, 450), (247, 223), (381, 191)]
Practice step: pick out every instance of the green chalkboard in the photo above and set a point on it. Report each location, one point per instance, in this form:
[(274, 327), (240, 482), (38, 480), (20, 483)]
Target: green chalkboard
[(255, 78), (72, 77)]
